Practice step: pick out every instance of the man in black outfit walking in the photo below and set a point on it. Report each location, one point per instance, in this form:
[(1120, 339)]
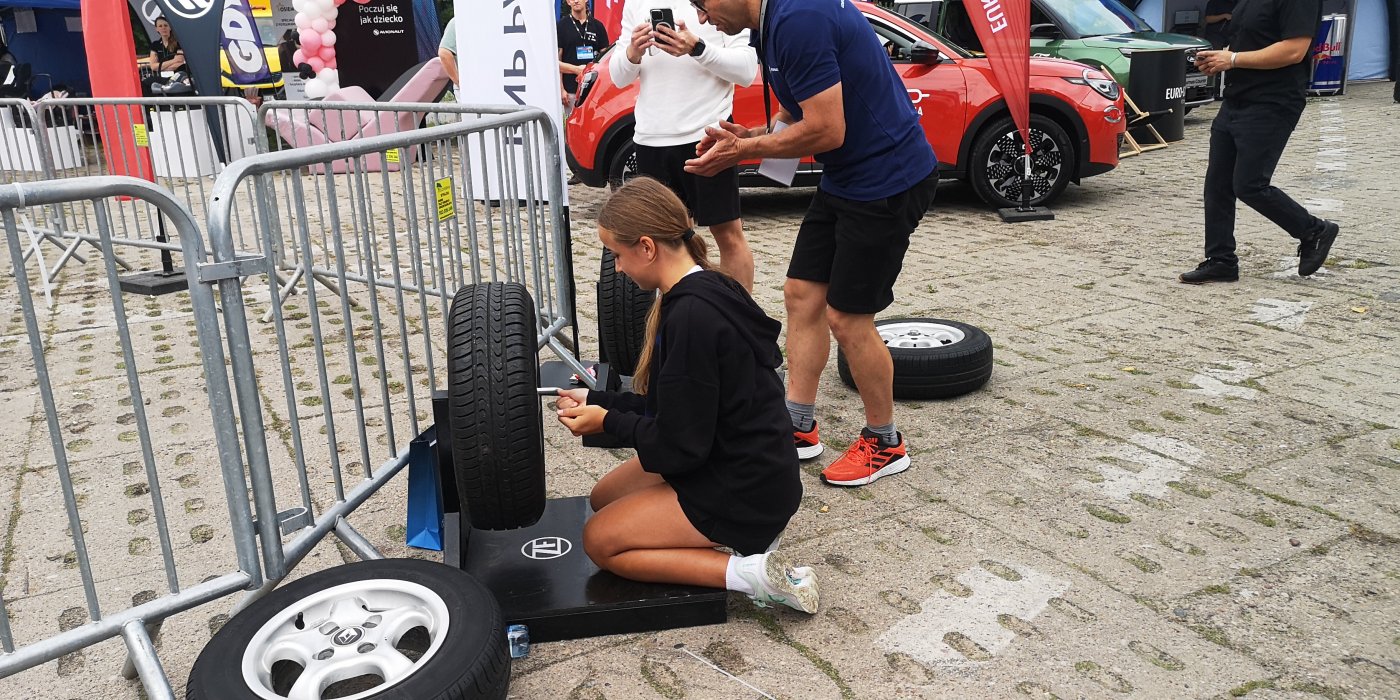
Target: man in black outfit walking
[(1265, 92)]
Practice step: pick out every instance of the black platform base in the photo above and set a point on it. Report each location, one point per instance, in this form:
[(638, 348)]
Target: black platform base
[(1016, 215), (153, 284), (543, 579)]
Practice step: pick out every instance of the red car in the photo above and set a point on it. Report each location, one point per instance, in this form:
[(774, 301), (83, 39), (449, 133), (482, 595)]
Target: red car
[(1076, 118)]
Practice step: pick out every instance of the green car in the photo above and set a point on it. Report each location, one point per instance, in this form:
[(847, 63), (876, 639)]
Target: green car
[(1101, 33)]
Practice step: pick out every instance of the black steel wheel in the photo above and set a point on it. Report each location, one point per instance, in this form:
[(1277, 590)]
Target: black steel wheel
[(497, 435), (622, 317)]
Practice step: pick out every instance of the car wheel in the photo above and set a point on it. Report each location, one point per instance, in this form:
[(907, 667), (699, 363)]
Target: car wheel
[(622, 317), (933, 358), (623, 166), (497, 435), (997, 160), (387, 628)]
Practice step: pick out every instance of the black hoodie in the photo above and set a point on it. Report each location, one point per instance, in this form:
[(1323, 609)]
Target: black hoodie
[(713, 422)]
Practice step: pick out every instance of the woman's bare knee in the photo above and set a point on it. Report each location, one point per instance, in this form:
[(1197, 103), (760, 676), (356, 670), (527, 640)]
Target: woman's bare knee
[(597, 544)]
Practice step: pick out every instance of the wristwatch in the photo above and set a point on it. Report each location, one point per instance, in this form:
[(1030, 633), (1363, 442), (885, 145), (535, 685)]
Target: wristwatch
[(698, 49)]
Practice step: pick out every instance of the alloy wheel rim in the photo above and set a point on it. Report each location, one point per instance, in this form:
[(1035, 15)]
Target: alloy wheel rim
[(343, 638), (919, 334), (1005, 162)]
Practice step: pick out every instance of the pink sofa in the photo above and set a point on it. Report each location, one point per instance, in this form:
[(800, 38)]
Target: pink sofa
[(312, 127)]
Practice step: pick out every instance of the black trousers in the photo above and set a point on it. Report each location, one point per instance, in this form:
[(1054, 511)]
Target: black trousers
[(1246, 142)]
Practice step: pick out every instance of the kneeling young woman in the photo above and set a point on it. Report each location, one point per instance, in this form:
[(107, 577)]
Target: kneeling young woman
[(715, 465)]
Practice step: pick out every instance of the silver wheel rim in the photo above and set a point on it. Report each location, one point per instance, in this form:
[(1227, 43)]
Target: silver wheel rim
[(351, 632), (919, 334), (1006, 160)]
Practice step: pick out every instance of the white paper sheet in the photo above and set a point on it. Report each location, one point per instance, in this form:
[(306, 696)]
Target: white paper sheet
[(779, 170)]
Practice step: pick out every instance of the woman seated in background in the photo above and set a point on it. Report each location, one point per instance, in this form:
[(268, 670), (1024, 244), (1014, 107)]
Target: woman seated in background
[(166, 57)]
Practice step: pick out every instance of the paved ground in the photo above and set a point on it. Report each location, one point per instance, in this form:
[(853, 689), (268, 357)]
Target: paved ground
[(1165, 491)]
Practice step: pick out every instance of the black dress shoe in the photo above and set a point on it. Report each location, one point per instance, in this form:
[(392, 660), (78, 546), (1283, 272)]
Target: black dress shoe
[(1313, 252), (1212, 271)]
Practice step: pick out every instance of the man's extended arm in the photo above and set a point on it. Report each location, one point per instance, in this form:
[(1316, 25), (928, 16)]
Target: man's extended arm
[(1276, 55), (822, 128)]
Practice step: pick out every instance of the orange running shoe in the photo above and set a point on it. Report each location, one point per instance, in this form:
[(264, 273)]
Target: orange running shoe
[(809, 444), (867, 460)]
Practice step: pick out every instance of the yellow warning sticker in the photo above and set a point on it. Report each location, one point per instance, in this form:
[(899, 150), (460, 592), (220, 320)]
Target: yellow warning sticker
[(446, 204), (392, 156), (139, 132)]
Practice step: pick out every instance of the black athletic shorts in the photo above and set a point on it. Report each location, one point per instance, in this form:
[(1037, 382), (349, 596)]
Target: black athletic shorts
[(711, 200), (857, 248)]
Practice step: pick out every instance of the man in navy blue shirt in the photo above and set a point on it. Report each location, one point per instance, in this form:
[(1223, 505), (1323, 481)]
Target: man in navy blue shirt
[(841, 100)]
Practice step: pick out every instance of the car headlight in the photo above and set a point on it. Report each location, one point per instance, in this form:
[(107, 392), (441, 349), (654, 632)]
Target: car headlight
[(1102, 85), (1126, 52), (586, 83)]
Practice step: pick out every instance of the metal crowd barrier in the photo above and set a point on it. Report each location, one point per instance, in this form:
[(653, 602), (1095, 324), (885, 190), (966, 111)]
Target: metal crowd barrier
[(394, 246), (94, 379), (313, 412), (180, 143)]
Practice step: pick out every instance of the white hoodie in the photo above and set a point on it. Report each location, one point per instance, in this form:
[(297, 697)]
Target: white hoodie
[(681, 95)]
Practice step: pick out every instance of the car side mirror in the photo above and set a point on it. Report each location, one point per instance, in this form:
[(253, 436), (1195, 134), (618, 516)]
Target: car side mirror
[(1046, 30), (924, 55)]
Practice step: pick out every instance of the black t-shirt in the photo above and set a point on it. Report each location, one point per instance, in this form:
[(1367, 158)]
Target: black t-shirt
[(1217, 32), (163, 54), (1260, 23), (579, 44)]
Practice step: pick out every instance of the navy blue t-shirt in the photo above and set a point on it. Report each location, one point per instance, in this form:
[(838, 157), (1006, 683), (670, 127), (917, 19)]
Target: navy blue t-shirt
[(811, 45)]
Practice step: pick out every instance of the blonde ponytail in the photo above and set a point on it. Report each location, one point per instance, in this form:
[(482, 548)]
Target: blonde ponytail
[(645, 207)]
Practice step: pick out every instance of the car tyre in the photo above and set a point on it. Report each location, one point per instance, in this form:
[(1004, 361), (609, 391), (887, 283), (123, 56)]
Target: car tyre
[(623, 166), (497, 430), (933, 358), (369, 617), (997, 151), (622, 317)]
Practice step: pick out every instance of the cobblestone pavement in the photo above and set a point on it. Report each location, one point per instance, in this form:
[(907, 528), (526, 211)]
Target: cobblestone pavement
[(1165, 491)]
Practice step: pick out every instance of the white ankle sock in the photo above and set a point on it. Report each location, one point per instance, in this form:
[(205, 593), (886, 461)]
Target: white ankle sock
[(732, 580)]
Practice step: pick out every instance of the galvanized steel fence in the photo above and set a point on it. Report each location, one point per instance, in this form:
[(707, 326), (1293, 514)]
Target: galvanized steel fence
[(353, 265)]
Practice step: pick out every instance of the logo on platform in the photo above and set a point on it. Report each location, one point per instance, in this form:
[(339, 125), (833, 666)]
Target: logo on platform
[(192, 9), (348, 636), (546, 548)]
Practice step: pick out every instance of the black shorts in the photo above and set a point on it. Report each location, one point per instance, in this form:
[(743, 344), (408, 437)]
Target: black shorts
[(711, 200), (857, 248)]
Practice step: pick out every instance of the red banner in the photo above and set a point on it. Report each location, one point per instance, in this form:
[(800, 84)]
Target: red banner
[(1004, 26), (609, 12), (111, 53)]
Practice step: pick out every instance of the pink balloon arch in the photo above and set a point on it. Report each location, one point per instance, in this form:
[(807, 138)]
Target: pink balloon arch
[(315, 20)]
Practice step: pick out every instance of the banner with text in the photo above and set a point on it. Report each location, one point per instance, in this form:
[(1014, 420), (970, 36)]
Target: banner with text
[(501, 63), (284, 23), (376, 43), (1004, 26), (195, 23), (247, 62)]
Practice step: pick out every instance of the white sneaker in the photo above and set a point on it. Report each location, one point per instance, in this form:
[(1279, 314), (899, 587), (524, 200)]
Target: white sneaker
[(776, 581)]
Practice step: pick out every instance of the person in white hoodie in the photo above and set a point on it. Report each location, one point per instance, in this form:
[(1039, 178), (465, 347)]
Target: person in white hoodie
[(688, 74)]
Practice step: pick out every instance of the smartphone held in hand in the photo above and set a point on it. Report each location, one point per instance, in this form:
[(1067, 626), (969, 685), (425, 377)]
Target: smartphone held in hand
[(662, 16)]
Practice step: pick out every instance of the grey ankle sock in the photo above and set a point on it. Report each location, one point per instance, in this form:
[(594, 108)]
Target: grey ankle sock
[(888, 435), (804, 415)]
